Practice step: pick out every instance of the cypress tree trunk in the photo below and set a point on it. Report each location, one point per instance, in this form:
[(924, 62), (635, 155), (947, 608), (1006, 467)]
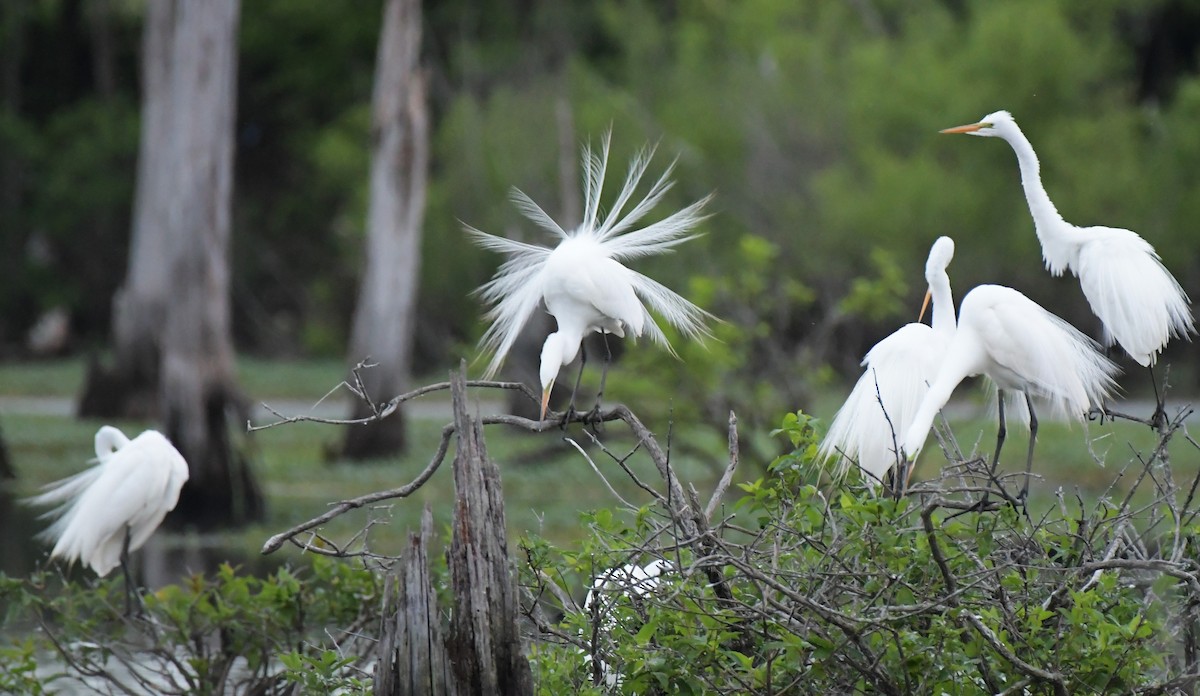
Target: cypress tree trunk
[(174, 357), (383, 319)]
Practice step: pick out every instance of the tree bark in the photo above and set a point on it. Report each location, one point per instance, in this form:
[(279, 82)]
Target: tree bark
[(485, 639), (412, 651), (130, 387), (197, 389), (383, 319), (174, 357)]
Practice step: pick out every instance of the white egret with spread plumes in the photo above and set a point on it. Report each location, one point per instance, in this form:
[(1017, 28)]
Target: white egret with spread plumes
[(869, 425), (1021, 347), (1140, 303), (112, 508), (582, 281)]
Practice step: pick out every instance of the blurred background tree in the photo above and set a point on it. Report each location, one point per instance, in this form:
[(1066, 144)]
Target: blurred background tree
[(814, 123)]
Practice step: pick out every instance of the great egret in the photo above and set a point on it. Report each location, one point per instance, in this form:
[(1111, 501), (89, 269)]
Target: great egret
[(112, 508), (1139, 302), (581, 280), (630, 581), (898, 371), (1021, 347)]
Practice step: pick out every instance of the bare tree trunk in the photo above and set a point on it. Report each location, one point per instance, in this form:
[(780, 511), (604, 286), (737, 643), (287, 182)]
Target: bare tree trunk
[(485, 644), (383, 320), (412, 652), (171, 328), (130, 387), (197, 393), (104, 71)]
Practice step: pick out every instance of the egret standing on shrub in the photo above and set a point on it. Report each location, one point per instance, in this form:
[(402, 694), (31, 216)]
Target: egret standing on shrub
[(1021, 347), (582, 281), (1140, 303), (112, 508), (868, 427)]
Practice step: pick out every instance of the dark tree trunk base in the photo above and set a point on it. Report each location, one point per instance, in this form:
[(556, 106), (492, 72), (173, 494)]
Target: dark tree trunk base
[(6, 468), (375, 440), (223, 492), (110, 393)]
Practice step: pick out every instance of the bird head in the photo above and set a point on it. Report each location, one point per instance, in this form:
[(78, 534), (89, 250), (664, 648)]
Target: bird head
[(553, 359), (940, 255), (991, 126), (108, 440)]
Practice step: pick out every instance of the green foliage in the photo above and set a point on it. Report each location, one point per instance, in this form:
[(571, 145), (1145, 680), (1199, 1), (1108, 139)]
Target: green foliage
[(834, 589), (204, 635)]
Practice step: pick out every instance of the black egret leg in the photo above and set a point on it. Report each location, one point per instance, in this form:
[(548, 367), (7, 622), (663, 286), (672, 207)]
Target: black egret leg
[(1158, 420), (569, 412), (594, 414), (1033, 427), (1001, 433), (129, 591)]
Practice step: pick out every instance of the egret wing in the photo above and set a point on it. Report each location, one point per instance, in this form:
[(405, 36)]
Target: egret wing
[(1034, 350), (870, 425), (1139, 301), (513, 293)]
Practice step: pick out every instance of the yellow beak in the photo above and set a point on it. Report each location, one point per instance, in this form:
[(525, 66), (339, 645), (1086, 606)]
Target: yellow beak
[(546, 399), (924, 305), (964, 129)]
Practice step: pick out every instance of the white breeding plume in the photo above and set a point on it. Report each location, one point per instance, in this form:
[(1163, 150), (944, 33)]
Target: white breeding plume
[(868, 427), (1140, 303), (582, 281), (121, 500), (1021, 347)]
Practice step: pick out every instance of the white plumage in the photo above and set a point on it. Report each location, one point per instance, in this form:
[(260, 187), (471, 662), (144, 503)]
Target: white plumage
[(868, 427), (614, 585), (1020, 346), (1140, 303), (582, 280), (132, 486)]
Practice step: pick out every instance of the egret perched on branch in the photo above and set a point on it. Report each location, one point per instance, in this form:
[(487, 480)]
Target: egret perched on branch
[(585, 286), (1140, 303), (112, 508), (1021, 347), (868, 427)]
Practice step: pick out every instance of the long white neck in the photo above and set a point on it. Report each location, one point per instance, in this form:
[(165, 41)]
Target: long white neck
[(943, 304), (951, 373), (1057, 249)]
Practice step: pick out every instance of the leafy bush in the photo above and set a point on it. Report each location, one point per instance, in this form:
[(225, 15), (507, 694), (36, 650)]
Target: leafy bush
[(228, 633), (832, 588)]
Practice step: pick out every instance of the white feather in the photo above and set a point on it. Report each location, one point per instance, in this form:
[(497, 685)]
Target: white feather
[(581, 280), (1020, 346), (1139, 301), (868, 428), (131, 488)]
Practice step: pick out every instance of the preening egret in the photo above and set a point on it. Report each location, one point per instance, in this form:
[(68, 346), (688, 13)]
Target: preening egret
[(1140, 303), (627, 582), (582, 280), (868, 427), (112, 508), (1021, 347)]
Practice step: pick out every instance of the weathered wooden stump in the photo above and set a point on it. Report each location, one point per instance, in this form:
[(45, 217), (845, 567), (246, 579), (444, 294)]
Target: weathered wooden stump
[(483, 653), (412, 652)]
